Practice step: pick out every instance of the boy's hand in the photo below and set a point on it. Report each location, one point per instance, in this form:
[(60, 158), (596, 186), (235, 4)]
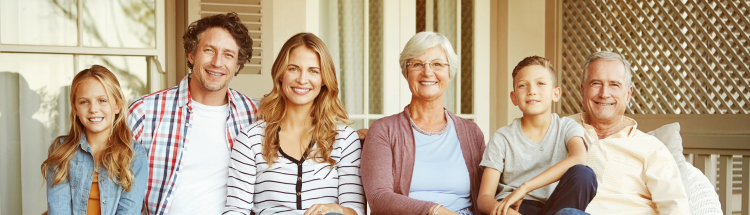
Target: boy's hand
[(509, 211), (515, 198)]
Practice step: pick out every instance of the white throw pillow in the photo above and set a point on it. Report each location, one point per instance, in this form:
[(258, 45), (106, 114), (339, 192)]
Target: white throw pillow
[(670, 135)]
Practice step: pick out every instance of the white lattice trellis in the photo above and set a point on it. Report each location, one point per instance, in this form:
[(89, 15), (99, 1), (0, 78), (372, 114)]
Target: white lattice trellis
[(687, 56)]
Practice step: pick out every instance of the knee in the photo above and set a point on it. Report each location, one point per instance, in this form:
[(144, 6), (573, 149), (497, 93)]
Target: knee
[(581, 173)]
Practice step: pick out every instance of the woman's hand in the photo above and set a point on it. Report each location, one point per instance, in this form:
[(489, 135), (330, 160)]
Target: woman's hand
[(362, 133), (514, 199), (322, 209), (441, 211)]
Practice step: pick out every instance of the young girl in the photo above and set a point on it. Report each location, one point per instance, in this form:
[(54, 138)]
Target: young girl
[(298, 158), (96, 168)]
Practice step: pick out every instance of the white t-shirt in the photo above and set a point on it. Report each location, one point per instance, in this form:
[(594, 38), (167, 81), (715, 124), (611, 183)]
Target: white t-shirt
[(202, 184)]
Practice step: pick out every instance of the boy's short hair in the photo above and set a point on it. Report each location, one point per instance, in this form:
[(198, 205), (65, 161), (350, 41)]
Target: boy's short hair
[(535, 60)]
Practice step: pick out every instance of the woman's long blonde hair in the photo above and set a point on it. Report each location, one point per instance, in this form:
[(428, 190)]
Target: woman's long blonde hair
[(327, 111), (117, 154)]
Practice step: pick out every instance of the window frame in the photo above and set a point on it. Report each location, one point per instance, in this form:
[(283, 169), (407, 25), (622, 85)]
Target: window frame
[(153, 56)]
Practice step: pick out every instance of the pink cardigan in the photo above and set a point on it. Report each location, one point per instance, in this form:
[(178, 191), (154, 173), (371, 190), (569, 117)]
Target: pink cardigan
[(388, 163)]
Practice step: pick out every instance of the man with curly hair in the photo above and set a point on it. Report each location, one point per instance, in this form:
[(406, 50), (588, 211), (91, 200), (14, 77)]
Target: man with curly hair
[(189, 129)]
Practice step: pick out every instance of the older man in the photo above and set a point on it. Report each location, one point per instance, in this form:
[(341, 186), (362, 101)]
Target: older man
[(635, 171)]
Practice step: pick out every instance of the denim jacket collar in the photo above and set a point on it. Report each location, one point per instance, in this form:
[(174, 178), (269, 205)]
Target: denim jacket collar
[(84, 143)]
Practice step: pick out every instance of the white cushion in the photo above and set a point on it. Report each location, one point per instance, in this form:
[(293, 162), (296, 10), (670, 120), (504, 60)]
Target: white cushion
[(703, 198)]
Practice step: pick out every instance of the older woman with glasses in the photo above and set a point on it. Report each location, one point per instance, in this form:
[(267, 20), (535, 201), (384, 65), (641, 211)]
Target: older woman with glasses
[(424, 160)]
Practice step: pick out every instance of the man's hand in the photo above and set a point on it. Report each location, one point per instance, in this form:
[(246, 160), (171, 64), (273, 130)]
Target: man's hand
[(362, 133)]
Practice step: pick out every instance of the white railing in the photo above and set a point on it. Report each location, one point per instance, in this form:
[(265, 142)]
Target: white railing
[(717, 163)]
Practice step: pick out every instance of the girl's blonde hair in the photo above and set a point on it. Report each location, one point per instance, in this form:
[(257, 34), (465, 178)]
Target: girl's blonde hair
[(327, 111), (117, 154)]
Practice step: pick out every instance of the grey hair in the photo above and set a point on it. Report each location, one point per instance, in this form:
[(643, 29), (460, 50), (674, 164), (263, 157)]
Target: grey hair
[(418, 45), (608, 55)]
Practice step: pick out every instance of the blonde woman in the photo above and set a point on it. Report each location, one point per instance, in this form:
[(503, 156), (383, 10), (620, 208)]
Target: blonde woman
[(299, 157), (96, 168)]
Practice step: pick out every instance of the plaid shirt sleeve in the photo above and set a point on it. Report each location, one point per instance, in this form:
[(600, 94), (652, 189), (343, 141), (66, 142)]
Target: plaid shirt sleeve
[(135, 119)]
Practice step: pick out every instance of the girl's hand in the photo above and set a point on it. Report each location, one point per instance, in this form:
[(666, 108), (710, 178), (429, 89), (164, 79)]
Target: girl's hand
[(514, 199), (322, 209)]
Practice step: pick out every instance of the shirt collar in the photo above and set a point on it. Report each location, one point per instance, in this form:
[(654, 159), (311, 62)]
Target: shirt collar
[(629, 130), (184, 97), (84, 143)]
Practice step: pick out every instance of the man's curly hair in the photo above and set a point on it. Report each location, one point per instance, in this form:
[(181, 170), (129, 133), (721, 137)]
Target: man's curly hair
[(231, 22)]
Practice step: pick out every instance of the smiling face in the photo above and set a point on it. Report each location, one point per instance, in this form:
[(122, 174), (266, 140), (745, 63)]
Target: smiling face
[(534, 91), (429, 84), (605, 92), (94, 107), (302, 79), (214, 60)]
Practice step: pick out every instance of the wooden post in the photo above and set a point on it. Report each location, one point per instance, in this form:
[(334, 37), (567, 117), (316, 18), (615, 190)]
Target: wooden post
[(745, 185), (701, 162)]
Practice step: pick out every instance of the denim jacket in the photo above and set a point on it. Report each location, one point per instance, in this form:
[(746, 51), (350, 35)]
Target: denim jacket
[(72, 195)]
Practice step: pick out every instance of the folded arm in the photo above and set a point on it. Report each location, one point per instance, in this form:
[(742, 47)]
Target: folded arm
[(351, 194), (242, 176), (664, 183), (377, 177), (132, 200), (576, 155), (59, 199)]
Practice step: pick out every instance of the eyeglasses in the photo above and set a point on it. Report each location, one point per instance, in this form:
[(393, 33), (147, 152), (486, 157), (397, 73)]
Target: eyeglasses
[(435, 65)]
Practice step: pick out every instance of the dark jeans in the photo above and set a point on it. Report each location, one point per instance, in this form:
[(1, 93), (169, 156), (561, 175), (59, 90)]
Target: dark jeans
[(571, 211), (577, 187)]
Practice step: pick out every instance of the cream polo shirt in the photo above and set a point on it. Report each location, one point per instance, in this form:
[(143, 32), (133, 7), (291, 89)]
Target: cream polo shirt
[(635, 172)]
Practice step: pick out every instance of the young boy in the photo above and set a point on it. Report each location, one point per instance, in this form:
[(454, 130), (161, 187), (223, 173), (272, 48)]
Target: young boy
[(528, 157)]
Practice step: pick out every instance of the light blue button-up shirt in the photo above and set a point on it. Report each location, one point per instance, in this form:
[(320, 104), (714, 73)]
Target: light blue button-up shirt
[(71, 196)]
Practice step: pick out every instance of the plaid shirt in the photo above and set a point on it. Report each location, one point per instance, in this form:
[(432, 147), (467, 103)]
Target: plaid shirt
[(161, 121)]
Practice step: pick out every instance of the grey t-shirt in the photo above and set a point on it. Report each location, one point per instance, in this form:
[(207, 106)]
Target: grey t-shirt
[(519, 159)]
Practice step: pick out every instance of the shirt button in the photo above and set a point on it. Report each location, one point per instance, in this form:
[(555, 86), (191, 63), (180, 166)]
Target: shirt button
[(104, 202), (299, 178), (298, 193)]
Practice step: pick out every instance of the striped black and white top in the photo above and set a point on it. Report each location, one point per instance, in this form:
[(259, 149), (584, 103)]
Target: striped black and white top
[(291, 186)]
